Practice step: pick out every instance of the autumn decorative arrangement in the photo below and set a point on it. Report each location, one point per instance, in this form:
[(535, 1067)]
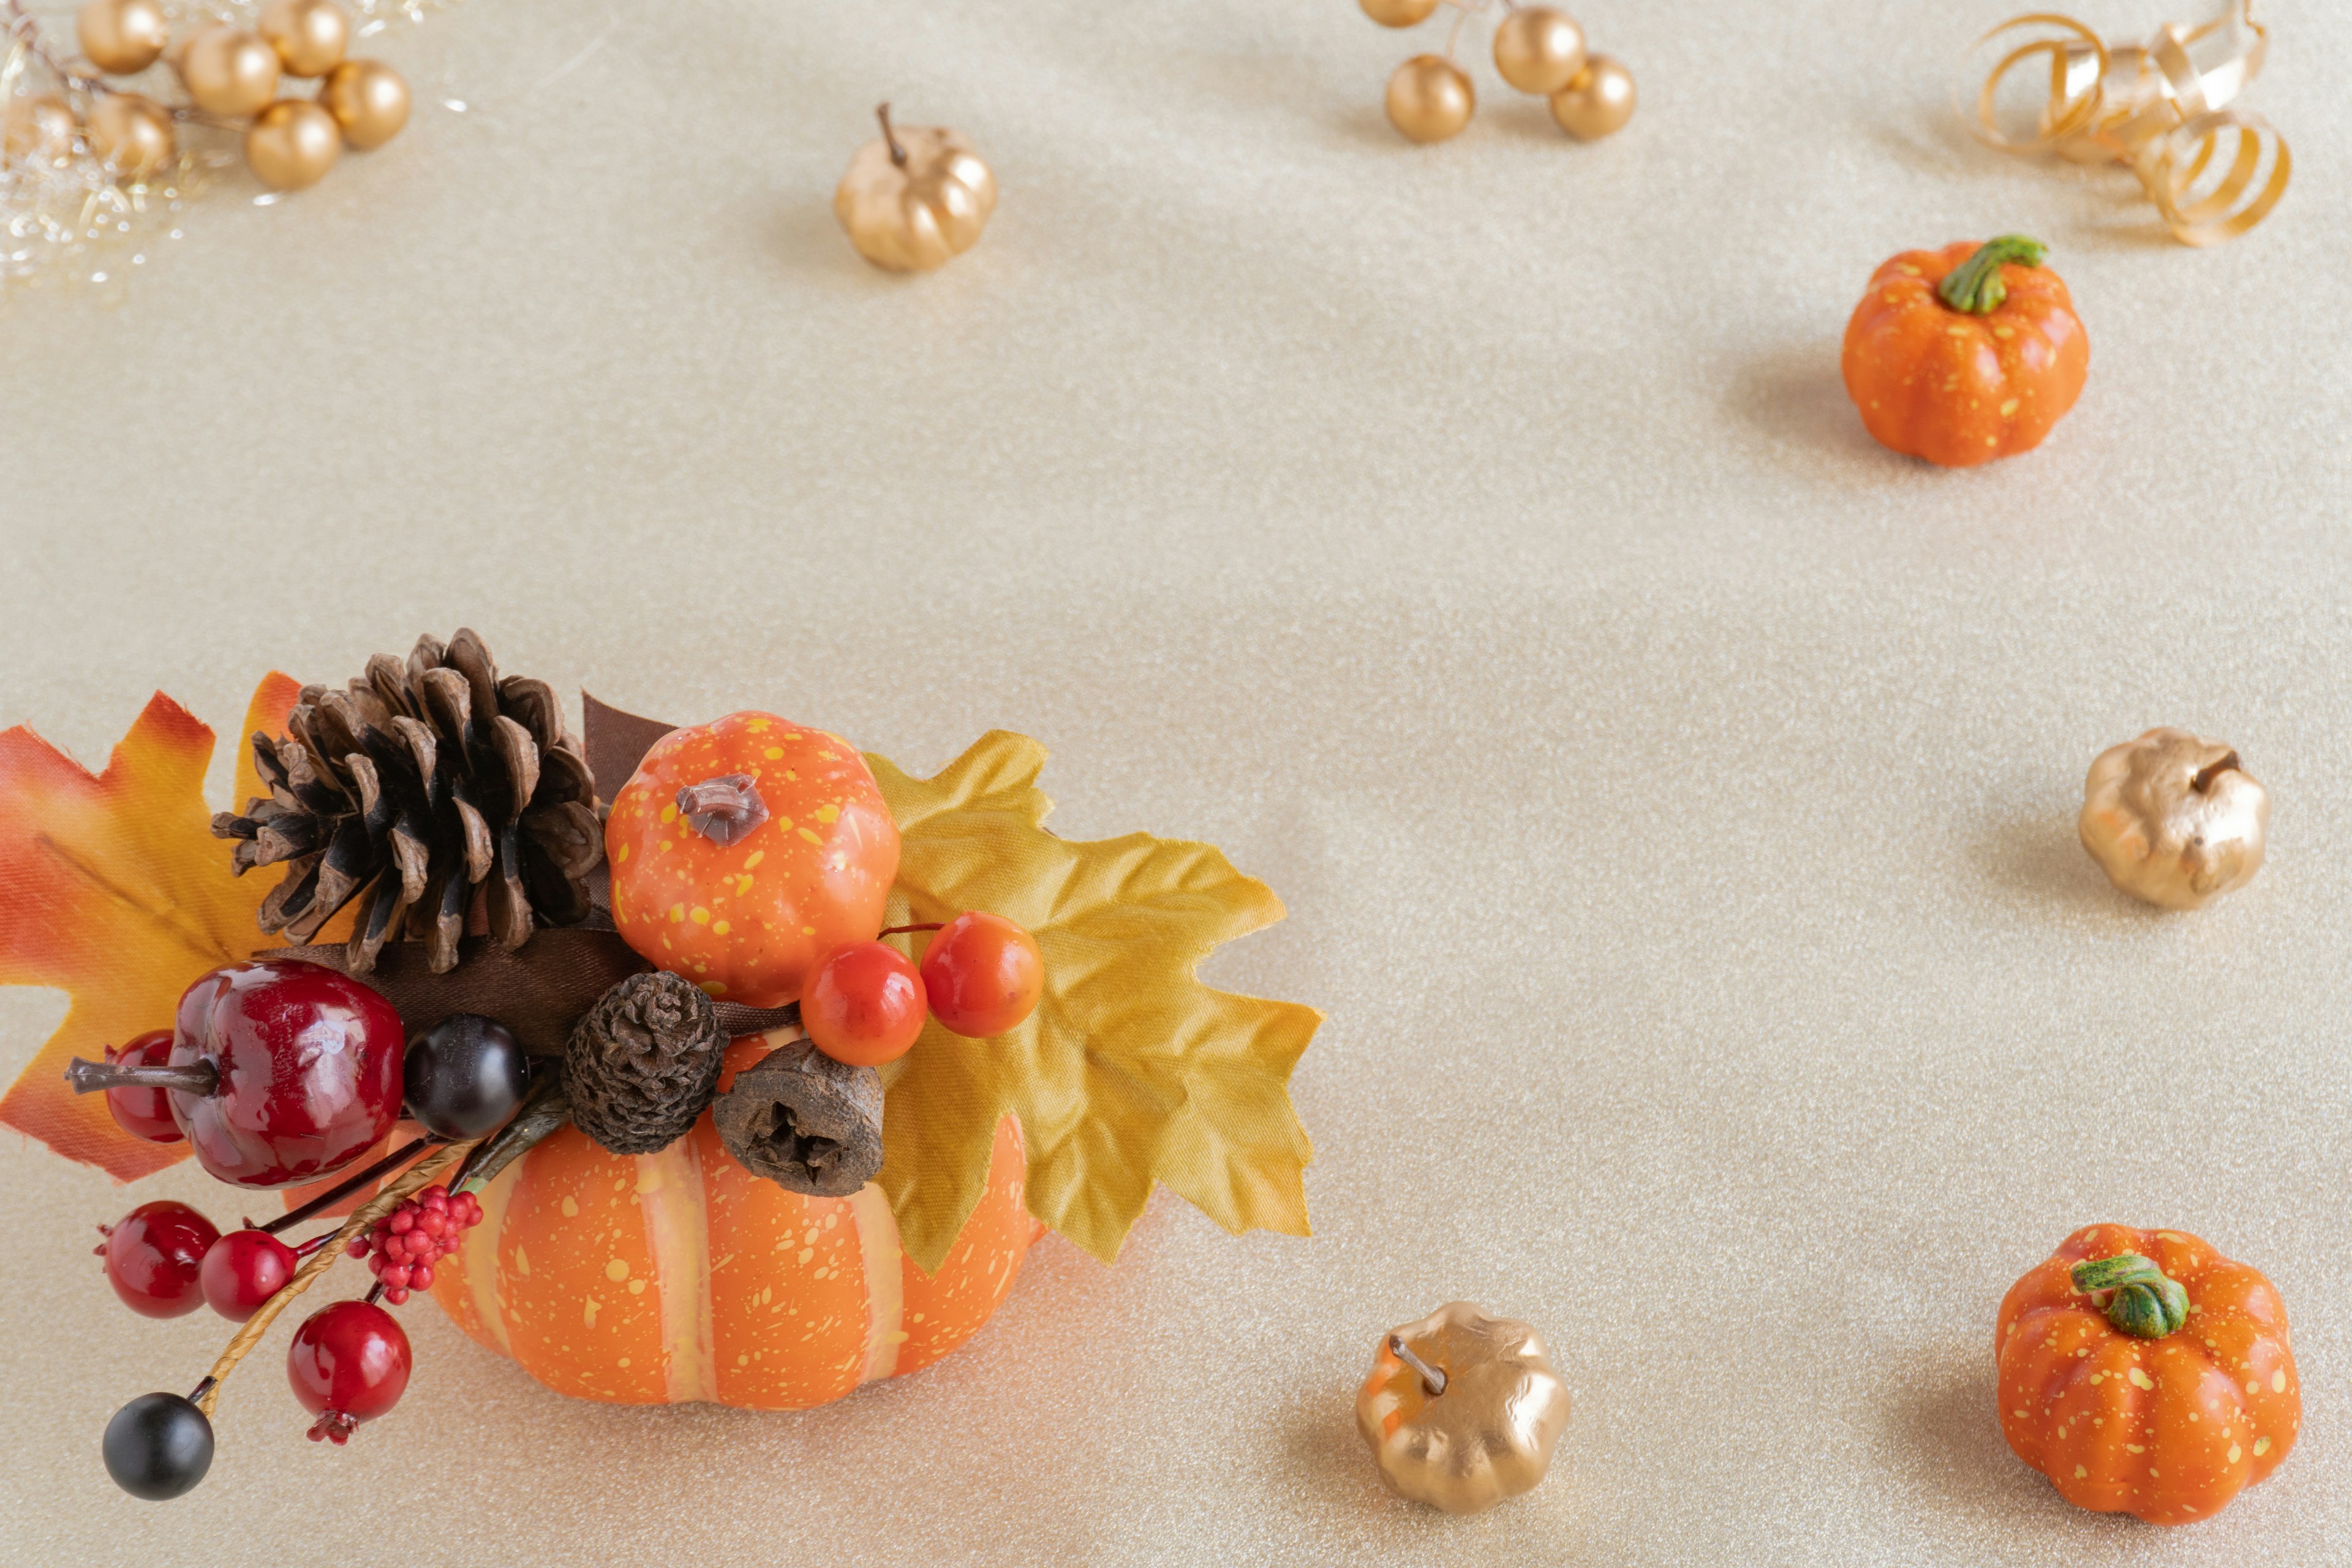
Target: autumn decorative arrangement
[(707, 1063)]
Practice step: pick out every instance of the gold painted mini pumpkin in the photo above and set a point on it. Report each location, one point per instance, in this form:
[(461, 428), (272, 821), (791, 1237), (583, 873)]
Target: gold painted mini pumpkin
[(1482, 1430), (2174, 819), (915, 198)]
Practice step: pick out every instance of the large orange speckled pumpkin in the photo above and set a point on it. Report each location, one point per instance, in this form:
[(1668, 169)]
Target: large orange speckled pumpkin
[(659, 1279)]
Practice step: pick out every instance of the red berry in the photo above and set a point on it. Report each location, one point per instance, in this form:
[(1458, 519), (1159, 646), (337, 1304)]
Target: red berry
[(153, 1256), (243, 1269), (308, 1071), (348, 1365), (144, 1113), (864, 1004), (983, 975), (407, 1242)]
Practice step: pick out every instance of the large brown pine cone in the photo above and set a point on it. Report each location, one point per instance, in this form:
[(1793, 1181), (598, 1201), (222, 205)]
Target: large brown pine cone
[(423, 782)]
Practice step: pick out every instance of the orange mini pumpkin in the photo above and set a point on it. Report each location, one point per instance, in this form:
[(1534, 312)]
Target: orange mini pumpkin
[(743, 851), (1967, 354), (2145, 1373), (660, 1279)]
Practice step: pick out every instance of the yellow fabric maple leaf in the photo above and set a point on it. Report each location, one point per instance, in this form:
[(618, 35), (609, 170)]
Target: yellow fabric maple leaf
[(1131, 1070), (113, 889)]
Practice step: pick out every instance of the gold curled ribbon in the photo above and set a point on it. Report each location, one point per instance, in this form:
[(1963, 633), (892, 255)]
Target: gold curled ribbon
[(2162, 109)]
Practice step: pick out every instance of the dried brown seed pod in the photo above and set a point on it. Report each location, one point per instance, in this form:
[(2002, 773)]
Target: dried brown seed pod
[(642, 1063), (805, 1121)]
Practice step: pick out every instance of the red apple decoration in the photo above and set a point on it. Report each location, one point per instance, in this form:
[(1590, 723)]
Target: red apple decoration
[(308, 1066), (281, 1071)]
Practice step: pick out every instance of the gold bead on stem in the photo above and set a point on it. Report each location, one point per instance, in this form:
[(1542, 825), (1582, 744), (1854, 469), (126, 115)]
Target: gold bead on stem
[(368, 99), (229, 71), (1538, 50), (292, 144), (1399, 12), (121, 37), (132, 135), (37, 129), (309, 35), (1597, 100), (1430, 98)]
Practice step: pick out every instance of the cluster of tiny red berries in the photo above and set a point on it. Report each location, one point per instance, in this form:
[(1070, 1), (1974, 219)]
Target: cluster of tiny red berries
[(407, 1242)]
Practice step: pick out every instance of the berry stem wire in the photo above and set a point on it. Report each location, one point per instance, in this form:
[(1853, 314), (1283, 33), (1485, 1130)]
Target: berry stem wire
[(28, 32), (346, 1187), (1462, 10), (363, 1217)]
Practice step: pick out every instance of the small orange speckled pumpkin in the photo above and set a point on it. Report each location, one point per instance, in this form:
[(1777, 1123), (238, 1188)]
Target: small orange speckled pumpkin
[(2145, 1373), (746, 912), (661, 1278), (1967, 354)]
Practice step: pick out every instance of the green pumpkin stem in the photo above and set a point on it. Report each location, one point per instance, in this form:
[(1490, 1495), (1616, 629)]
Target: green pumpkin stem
[(2145, 1302), (1975, 285)]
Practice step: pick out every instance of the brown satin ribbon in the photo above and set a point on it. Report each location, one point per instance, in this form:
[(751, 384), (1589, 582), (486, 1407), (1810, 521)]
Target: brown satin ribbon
[(2162, 109)]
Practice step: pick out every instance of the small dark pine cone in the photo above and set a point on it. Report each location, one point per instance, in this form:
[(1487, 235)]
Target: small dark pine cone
[(642, 1063), (423, 781), (806, 1123)]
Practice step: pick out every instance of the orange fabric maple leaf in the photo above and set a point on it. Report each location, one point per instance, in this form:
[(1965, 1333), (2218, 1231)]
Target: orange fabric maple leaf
[(113, 889)]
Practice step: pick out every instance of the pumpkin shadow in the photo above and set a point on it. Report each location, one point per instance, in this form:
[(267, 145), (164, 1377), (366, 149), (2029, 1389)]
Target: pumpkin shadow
[(1323, 1456), (1944, 1434), (2037, 857), (1795, 396), (803, 235), (1946, 1439)]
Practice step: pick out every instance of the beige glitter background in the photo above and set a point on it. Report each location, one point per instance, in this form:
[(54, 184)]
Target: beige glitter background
[(1672, 792)]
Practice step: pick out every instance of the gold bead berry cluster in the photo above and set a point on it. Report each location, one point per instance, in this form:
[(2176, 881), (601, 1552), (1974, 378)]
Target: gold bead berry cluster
[(1538, 49), (233, 77)]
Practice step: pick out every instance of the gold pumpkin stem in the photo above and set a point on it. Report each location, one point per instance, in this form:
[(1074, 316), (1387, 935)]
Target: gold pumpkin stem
[(1430, 1378), (897, 153), (417, 1175)]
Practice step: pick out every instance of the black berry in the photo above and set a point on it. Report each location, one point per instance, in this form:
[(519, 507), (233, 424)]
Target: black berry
[(464, 1076), (158, 1446)]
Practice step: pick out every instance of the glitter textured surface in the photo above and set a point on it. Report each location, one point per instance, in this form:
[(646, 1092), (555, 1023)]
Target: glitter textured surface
[(1674, 793)]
